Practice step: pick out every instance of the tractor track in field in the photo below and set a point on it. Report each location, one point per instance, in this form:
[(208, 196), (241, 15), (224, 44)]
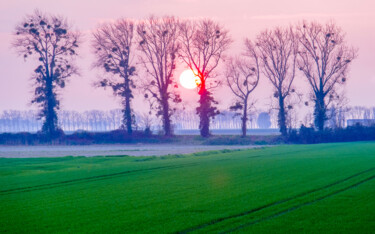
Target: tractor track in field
[(288, 210), (218, 220), (90, 179)]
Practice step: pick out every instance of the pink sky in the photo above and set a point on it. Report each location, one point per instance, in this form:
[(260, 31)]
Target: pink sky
[(244, 18)]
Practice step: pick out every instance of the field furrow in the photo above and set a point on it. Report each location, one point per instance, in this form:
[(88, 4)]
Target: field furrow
[(256, 190)]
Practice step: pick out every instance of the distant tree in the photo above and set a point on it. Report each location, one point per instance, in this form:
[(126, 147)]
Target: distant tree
[(157, 38), (51, 42), (114, 118), (277, 50), (203, 44), (7, 116), (252, 119), (242, 76), (264, 120), (76, 120), (112, 45), (146, 120), (64, 120), (324, 59), (14, 116), (357, 112)]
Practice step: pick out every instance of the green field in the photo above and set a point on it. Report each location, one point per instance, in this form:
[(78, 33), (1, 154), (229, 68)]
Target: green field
[(290, 188)]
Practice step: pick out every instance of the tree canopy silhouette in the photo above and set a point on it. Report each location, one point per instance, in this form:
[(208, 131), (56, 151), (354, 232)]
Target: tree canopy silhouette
[(324, 59), (48, 39), (242, 76), (157, 38), (112, 45), (203, 45), (277, 50)]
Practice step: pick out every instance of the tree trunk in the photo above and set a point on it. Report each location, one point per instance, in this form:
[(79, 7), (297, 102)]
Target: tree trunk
[(50, 124), (166, 117), (127, 112), (244, 119), (282, 117), (320, 112), (203, 111)]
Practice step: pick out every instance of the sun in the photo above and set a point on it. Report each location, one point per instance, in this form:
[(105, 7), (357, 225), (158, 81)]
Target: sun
[(188, 79)]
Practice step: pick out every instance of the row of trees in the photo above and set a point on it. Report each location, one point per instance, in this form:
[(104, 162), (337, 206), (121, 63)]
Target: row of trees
[(156, 45), (318, 51), (160, 42)]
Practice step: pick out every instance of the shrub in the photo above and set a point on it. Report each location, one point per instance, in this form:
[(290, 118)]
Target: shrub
[(352, 133)]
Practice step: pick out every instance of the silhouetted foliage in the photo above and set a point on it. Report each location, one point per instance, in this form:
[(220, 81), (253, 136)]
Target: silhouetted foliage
[(50, 41), (112, 45), (203, 44)]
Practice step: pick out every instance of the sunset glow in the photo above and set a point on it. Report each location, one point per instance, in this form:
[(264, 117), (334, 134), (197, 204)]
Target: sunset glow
[(188, 79)]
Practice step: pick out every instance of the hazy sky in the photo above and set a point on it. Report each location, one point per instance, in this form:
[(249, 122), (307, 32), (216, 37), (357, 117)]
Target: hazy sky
[(244, 18)]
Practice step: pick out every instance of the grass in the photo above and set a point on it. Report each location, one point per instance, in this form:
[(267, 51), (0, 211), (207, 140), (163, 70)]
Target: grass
[(289, 188)]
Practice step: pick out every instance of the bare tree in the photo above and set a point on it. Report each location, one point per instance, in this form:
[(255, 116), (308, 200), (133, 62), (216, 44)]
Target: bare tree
[(112, 45), (203, 44), (324, 59), (159, 47), (242, 76), (50, 41), (277, 50)]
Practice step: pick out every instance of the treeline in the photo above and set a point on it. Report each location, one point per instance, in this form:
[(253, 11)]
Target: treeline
[(144, 55), (101, 121)]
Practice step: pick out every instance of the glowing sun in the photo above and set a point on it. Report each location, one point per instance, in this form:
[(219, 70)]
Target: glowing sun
[(188, 79)]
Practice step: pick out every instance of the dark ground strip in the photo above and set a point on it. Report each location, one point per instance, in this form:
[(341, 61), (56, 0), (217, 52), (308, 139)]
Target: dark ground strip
[(89, 179), (215, 221), (301, 205)]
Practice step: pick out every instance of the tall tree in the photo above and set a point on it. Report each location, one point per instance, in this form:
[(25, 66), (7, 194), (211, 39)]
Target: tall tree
[(203, 44), (242, 76), (112, 45), (49, 40), (159, 48), (277, 50), (324, 59)]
